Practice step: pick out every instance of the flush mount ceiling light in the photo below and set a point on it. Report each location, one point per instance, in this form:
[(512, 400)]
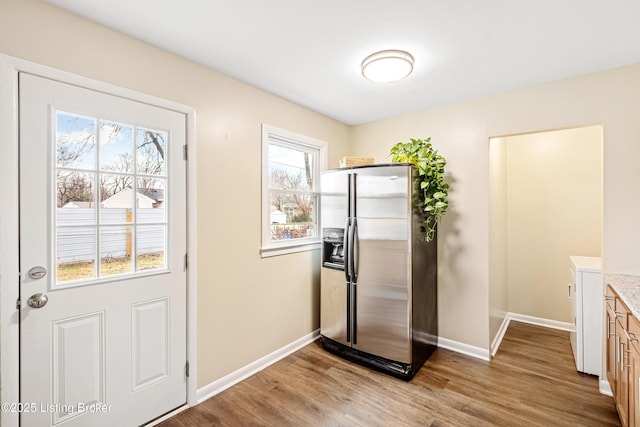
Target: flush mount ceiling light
[(387, 66)]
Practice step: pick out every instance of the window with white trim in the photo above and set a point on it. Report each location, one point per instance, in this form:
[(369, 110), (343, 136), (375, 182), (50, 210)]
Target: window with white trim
[(291, 165)]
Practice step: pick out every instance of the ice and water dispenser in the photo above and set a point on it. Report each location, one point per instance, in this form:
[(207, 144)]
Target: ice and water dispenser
[(333, 248)]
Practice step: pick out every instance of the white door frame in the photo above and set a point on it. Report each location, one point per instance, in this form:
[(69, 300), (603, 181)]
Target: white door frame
[(9, 221)]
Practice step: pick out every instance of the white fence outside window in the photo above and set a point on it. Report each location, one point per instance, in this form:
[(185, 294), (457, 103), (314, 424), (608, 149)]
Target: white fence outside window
[(77, 243)]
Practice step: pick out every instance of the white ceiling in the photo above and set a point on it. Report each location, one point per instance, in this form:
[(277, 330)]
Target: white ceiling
[(310, 51)]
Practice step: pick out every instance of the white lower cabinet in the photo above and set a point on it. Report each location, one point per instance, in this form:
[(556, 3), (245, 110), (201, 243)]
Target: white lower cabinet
[(585, 292)]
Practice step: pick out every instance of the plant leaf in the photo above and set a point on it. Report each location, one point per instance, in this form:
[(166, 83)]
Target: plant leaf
[(431, 201)]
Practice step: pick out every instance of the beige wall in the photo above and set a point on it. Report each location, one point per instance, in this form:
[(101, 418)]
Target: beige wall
[(461, 132), (248, 306), (554, 210), (498, 261)]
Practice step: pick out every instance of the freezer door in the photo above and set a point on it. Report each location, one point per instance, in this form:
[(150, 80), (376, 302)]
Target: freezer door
[(334, 287), (334, 198), (382, 262)]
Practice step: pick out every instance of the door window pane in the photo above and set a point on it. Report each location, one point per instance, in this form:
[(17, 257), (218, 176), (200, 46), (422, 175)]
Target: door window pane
[(150, 248), (150, 146), (116, 199), (75, 251), (116, 247), (116, 147), (75, 141), (150, 200), (75, 190)]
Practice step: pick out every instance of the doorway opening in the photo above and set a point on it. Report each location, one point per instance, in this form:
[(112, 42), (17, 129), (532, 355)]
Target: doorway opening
[(546, 205)]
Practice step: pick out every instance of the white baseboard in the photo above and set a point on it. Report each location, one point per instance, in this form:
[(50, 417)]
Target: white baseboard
[(547, 323), (235, 377), (469, 350), (605, 388), (483, 354), (500, 335)]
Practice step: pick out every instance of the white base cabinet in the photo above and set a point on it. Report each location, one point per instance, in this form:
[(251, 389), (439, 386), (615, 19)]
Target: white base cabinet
[(585, 292)]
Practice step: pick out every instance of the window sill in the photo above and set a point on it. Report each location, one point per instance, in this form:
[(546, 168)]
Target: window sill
[(269, 251)]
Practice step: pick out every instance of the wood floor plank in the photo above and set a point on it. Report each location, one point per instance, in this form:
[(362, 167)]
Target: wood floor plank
[(531, 381)]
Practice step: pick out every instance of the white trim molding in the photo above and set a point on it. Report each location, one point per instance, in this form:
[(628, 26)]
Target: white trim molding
[(481, 353), (254, 367), (500, 335), (10, 67), (9, 241), (539, 321), (192, 258), (466, 349), (605, 388)]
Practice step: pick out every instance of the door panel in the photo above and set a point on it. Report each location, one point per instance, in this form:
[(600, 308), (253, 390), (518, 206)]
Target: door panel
[(150, 342), (108, 224), (78, 372), (383, 306), (382, 300), (334, 206)]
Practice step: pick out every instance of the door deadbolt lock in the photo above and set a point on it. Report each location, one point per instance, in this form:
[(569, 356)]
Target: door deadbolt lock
[(37, 272), (38, 300)]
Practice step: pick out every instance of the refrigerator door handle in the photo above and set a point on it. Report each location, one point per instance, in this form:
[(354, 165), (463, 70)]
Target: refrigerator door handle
[(346, 242), (353, 245), (355, 314), (348, 286), (347, 273), (353, 258)]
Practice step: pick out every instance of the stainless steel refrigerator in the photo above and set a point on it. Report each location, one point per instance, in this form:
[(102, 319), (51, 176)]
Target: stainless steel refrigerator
[(379, 276)]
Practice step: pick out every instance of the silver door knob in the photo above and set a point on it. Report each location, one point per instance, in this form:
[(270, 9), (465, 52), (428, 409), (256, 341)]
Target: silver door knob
[(38, 300), (37, 272)]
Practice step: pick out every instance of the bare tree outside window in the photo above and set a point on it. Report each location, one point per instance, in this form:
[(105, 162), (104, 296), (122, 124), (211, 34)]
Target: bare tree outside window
[(74, 187), (76, 149), (284, 179), (291, 193)]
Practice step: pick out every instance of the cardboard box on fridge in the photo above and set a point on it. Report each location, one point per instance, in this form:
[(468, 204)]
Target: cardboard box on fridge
[(347, 161)]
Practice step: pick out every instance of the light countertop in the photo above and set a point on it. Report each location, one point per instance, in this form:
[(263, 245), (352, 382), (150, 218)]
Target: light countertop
[(628, 288)]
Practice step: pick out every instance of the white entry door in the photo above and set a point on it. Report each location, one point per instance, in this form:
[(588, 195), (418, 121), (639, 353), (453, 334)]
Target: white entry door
[(102, 250)]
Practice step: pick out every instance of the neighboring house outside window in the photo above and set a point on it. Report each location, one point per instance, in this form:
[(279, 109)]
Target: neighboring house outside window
[(291, 165)]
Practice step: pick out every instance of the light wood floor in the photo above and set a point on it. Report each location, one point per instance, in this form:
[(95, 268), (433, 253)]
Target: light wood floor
[(532, 381)]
